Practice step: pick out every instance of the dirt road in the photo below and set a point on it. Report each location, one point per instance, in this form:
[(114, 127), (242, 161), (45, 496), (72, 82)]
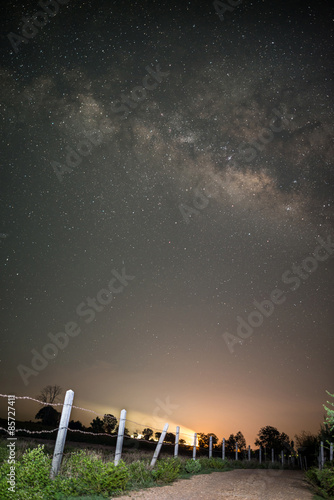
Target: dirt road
[(237, 484)]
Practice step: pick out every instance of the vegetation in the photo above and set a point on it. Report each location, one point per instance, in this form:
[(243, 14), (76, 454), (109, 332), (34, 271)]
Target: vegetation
[(92, 472), (233, 439), (269, 437), (323, 480)]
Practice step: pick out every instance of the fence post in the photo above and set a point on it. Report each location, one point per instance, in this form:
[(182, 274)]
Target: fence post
[(210, 447), (272, 455), (249, 452), (223, 449), (120, 437), (158, 448), (61, 436), (322, 458), (236, 451), (176, 447), (260, 455), (194, 446), (331, 451)]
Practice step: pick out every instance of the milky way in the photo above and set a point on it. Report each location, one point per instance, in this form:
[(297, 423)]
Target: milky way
[(198, 154)]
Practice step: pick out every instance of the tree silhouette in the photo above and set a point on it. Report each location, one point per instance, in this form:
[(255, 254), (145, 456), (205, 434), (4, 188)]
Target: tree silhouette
[(126, 431), (239, 438), (147, 433), (170, 438), (230, 443), (204, 439), (109, 423), (50, 393), (48, 415), (157, 435), (76, 425), (96, 425), (270, 437)]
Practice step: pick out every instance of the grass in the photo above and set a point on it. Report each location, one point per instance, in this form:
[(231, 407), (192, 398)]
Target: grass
[(89, 472)]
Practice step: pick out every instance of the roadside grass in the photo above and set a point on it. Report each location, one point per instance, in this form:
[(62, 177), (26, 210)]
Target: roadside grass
[(322, 481), (89, 472)]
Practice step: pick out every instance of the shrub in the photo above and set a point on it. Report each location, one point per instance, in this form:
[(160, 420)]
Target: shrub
[(166, 470), (323, 479), (84, 473), (140, 474), (192, 466), (31, 476)]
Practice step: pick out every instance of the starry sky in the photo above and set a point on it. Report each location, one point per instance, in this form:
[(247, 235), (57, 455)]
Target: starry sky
[(166, 210)]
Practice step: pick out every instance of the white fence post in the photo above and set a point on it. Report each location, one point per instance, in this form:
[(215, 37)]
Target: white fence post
[(331, 451), (249, 452), (210, 447), (158, 448), (194, 446), (322, 458), (223, 449), (61, 436), (176, 447), (260, 455), (120, 437), (236, 451)]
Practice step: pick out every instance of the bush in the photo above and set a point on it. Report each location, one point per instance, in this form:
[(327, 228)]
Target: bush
[(80, 474), (31, 476), (140, 474), (167, 470), (322, 479), (84, 473), (192, 466)]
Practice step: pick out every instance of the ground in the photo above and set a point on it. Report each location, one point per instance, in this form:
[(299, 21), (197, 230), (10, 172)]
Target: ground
[(237, 484)]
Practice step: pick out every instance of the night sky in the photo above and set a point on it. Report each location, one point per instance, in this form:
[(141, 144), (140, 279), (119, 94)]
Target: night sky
[(164, 170)]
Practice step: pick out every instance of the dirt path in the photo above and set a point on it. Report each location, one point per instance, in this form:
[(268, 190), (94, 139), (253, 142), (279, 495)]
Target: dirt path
[(237, 484)]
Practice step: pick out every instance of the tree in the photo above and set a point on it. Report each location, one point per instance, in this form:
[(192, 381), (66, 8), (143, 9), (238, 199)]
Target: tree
[(97, 425), (329, 421), (307, 440), (126, 431), (170, 438), (147, 433), (50, 393), (109, 423), (204, 439), (230, 443), (182, 441), (48, 415), (308, 446), (239, 438), (269, 437), (76, 425), (157, 435)]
